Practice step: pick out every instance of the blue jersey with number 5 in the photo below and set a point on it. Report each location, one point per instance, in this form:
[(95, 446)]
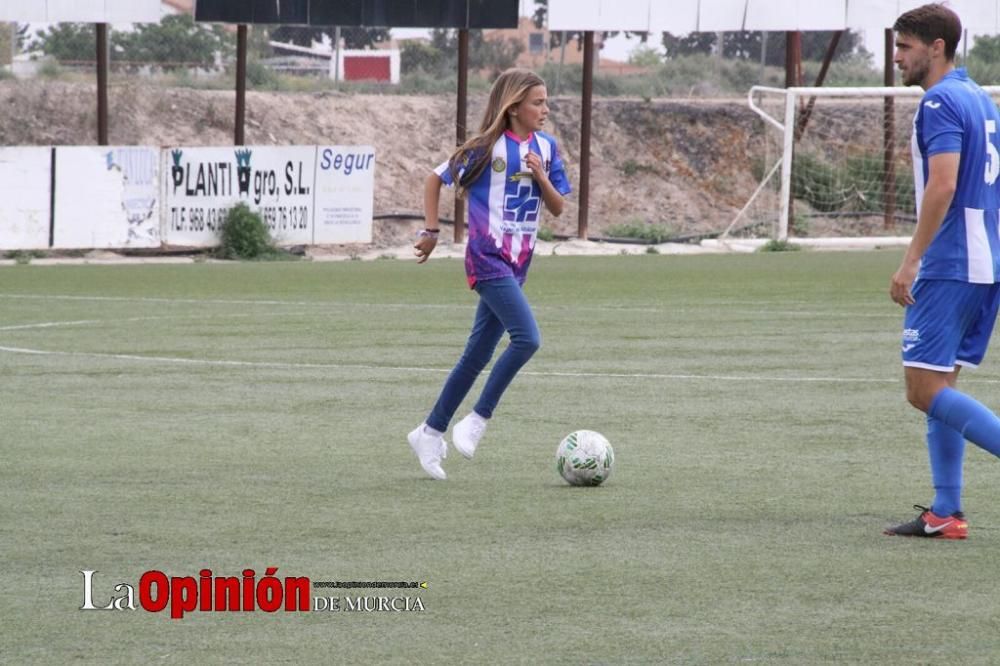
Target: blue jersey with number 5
[(957, 116)]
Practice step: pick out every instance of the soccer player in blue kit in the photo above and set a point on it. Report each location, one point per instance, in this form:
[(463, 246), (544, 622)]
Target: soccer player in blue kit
[(948, 279), (509, 170)]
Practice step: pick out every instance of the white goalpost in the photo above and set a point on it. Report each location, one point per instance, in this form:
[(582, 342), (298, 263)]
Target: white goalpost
[(834, 166)]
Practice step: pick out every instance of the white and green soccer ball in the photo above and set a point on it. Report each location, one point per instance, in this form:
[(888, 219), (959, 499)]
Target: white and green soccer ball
[(585, 458)]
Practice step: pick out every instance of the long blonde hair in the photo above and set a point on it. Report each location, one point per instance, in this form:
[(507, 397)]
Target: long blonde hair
[(510, 89)]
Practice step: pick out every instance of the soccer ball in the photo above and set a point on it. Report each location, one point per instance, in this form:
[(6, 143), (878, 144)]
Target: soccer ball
[(585, 458)]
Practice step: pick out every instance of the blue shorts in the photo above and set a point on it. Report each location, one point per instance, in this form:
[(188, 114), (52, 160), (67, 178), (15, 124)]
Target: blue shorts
[(949, 324)]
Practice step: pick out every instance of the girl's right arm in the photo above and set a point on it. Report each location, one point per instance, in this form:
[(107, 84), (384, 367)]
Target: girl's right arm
[(428, 237)]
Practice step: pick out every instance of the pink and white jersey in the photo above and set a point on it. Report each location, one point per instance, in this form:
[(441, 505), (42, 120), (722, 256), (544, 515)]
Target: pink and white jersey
[(505, 205)]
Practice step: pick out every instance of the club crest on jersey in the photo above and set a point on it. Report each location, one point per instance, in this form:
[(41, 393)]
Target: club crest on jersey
[(499, 165)]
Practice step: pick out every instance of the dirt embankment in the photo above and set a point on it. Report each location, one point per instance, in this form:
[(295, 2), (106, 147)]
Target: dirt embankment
[(684, 165)]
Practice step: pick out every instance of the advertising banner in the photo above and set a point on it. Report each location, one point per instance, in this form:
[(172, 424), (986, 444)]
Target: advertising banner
[(80, 11), (25, 197), (304, 194), (345, 184), (683, 17), (383, 13), (203, 184), (143, 197), (107, 197)]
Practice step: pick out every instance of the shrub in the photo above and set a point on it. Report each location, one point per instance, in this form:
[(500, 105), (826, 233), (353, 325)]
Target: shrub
[(244, 236), (775, 245), (649, 233), (817, 182), (262, 77), (855, 185), (23, 257), (50, 69), (630, 168), (867, 172)]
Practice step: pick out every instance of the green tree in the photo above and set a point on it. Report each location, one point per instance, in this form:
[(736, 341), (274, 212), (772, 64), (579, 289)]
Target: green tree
[(68, 42), (644, 56), (493, 55), (173, 42), (7, 40), (441, 55), (416, 55), (986, 49), (984, 59), (747, 45), (690, 44), (22, 35)]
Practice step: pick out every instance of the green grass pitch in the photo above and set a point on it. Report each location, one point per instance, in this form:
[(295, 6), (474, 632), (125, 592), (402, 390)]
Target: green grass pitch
[(216, 416)]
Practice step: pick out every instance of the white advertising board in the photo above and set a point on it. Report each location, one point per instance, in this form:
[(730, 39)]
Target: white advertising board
[(133, 11), (81, 11), (203, 184), (684, 16), (592, 15), (872, 12), (305, 194), (20, 10), (718, 15), (25, 197), (107, 197), (345, 187), (623, 14), (143, 197), (795, 15), (980, 17), (681, 17)]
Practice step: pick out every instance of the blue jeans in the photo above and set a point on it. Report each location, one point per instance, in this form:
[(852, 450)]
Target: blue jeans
[(502, 307)]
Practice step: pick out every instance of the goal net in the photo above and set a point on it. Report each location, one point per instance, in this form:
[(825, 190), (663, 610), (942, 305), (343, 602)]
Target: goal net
[(832, 163)]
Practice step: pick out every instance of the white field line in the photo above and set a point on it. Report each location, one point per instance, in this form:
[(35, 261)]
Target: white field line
[(380, 368), (722, 307), (51, 324), (415, 369), (96, 322), (272, 303)]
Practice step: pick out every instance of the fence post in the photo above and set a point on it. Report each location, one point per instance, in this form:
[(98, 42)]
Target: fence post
[(241, 84), (585, 127), (889, 138), (461, 121), (102, 84)]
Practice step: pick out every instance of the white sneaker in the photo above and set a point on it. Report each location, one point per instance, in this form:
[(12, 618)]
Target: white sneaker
[(467, 433), (430, 450)]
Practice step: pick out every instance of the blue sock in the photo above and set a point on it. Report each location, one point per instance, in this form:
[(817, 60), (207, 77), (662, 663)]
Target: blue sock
[(969, 417), (946, 447)]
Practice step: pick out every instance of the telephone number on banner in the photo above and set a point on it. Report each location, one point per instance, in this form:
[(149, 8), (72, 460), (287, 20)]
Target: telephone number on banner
[(277, 218)]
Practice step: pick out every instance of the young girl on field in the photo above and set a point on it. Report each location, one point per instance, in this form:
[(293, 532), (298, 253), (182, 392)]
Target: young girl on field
[(508, 171)]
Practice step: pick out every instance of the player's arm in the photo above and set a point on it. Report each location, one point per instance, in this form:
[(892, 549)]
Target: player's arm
[(428, 237), (941, 183), (553, 200)]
